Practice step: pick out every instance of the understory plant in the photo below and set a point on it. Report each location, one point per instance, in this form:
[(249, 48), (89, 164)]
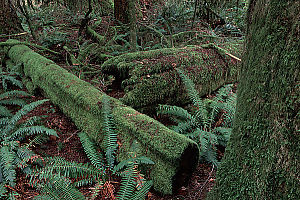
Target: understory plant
[(208, 122), (14, 153), (54, 179)]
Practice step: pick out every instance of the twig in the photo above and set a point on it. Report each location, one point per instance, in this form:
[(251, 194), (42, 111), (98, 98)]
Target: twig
[(220, 49), (206, 181), (17, 34), (67, 140)]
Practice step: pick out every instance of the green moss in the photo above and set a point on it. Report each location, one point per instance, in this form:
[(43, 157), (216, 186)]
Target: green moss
[(82, 103), (262, 158), (149, 77)]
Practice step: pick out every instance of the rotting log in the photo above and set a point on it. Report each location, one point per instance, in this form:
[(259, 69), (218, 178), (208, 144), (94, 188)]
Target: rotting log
[(148, 77), (175, 156)]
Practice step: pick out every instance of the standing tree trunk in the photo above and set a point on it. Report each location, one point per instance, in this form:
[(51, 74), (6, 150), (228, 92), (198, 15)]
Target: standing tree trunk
[(262, 157), (125, 12), (9, 21), (121, 8)]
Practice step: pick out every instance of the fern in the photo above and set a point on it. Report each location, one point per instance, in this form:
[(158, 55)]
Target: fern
[(97, 173), (20, 113), (9, 77), (135, 160), (58, 187), (13, 155), (191, 91), (174, 111), (110, 139), (128, 183), (31, 130), (10, 98), (3, 189), (70, 169), (95, 157), (141, 193), (201, 123), (6, 162)]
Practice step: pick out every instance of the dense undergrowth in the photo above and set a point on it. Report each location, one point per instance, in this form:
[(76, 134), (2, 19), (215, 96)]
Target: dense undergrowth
[(56, 27)]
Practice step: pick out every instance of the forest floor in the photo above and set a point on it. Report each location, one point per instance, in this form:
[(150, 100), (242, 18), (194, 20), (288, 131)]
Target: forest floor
[(68, 145)]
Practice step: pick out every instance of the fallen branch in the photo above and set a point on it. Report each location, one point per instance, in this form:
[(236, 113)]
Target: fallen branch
[(211, 45)]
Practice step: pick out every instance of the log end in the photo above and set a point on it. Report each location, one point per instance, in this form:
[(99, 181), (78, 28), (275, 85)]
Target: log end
[(188, 163)]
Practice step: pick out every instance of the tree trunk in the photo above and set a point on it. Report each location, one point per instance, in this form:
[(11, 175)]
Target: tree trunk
[(121, 8), (262, 157), (9, 21), (132, 25)]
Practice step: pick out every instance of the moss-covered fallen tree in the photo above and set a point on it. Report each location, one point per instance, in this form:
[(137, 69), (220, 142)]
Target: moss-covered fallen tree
[(149, 77), (175, 156)]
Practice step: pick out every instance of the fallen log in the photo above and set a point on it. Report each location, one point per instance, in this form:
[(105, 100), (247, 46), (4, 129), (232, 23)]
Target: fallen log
[(148, 77), (175, 155)]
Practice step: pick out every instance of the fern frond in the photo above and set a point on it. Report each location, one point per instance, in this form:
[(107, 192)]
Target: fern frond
[(4, 112), (3, 189), (32, 130), (22, 112), (14, 93), (129, 161), (84, 182), (191, 91), (58, 187), (202, 118), (12, 80), (4, 121), (200, 137), (128, 183), (110, 139), (224, 135), (6, 162), (184, 127), (26, 109), (16, 102), (31, 121), (211, 155), (174, 111), (95, 157), (39, 139), (60, 166), (13, 195), (25, 155), (140, 194)]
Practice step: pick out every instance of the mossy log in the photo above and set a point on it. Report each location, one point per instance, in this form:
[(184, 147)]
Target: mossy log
[(99, 38), (148, 77), (175, 156)]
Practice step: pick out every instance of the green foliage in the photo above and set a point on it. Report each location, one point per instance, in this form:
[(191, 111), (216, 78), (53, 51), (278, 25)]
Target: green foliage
[(51, 37), (58, 187), (57, 171), (11, 98), (10, 77), (201, 123), (82, 103), (110, 139), (235, 14), (13, 155)]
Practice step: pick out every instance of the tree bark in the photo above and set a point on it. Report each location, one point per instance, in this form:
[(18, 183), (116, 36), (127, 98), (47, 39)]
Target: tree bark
[(9, 21), (121, 8), (262, 157)]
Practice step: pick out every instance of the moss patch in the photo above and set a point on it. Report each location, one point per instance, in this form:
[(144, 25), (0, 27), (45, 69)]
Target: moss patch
[(82, 103), (149, 77)]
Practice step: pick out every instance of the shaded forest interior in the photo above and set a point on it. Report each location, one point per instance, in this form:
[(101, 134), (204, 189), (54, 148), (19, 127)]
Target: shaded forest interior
[(118, 99)]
